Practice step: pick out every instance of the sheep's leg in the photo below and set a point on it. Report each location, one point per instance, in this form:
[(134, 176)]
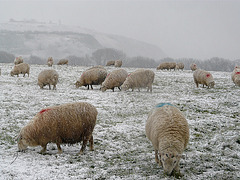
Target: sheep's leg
[(119, 88), (49, 86), (150, 87), (156, 156), (44, 148), (113, 89), (91, 86), (59, 148), (85, 140), (54, 87), (91, 143)]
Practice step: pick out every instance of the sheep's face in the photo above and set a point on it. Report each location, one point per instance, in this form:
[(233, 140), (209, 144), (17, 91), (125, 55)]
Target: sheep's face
[(78, 84), (22, 143), (169, 162), (211, 84), (12, 73), (125, 86), (103, 88)]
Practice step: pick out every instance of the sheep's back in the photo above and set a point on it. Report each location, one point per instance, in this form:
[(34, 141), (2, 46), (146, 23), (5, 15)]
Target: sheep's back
[(166, 122), (69, 122)]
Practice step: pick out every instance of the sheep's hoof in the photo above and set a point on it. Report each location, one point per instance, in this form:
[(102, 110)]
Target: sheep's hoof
[(177, 174)]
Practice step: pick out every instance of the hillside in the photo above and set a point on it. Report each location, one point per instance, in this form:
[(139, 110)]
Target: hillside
[(44, 40)]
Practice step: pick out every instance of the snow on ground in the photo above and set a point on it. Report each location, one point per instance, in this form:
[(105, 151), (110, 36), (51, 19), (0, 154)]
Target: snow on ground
[(122, 150)]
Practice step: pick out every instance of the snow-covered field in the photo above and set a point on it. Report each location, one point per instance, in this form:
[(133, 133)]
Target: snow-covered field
[(122, 150)]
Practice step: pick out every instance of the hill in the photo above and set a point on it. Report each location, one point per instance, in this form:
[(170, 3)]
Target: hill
[(49, 39)]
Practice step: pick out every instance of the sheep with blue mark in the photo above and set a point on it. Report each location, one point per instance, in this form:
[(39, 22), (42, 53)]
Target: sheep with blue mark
[(168, 131)]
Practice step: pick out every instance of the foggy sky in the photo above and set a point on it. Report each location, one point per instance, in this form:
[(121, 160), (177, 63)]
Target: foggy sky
[(192, 29)]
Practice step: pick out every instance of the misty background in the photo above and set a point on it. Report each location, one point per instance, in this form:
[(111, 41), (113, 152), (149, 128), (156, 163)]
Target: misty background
[(142, 33)]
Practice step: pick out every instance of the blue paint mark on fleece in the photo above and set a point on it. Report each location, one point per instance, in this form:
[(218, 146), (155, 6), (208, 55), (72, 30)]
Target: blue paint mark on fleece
[(163, 104)]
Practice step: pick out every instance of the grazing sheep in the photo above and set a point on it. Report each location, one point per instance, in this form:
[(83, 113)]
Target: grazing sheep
[(203, 77), (50, 61), (48, 77), (18, 60), (236, 76), (167, 65), (68, 123), (62, 62), (92, 76), (193, 67), (118, 63), (139, 79), (167, 129), (180, 66), (110, 63), (114, 79), (22, 68)]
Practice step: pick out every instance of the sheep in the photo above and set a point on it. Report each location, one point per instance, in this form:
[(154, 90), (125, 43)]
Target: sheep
[(180, 66), (236, 76), (67, 123), (168, 131), (167, 65), (193, 67), (203, 77), (139, 79), (172, 65), (22, 68), (48, 77), (50, 61), (110, 63), (92, 76), (18, 60), (118, 63), (114, 79), (163, 65), (62, 62)]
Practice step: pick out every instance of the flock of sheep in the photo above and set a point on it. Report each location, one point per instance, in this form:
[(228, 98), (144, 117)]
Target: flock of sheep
[(166, 127)]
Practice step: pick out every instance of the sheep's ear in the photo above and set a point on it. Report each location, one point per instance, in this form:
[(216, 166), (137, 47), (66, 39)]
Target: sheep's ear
[(18, 138)]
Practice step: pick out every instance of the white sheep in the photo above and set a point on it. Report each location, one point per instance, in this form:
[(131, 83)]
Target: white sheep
[(92, 76), (168, 130), (236, 76), (68, 123), (118, 63), (114, 79), (203, 77), (140, 78), (50, 61), (48, 77), (62, 62), (22, 68), (167, 65), (180, 65), (18, 60), (193, 67), (110, 63)]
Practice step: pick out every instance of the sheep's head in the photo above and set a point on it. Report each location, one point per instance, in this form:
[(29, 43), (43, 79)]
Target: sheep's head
[(125, 86), (24, 140), (22, 143), (12, 73), (169, 162), (78, 84), (103, 88), (211, 84)]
